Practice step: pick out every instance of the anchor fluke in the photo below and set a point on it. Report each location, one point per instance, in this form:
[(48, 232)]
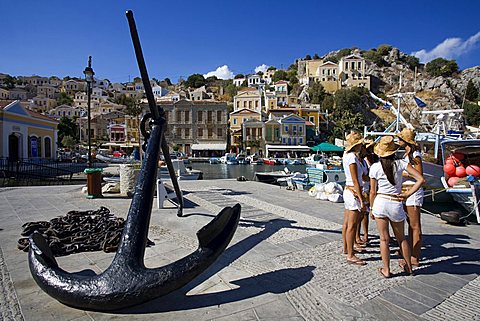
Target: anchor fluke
[(123, 285)]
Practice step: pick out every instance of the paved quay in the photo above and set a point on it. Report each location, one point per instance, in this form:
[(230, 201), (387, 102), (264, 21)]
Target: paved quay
[(284, 262)]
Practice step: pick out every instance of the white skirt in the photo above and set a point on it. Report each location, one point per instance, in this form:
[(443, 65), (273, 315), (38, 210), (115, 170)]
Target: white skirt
[(351, 202), (386, 207), (416, 199)]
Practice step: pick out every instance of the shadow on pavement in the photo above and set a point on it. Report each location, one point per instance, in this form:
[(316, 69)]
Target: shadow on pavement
[(278, 281)]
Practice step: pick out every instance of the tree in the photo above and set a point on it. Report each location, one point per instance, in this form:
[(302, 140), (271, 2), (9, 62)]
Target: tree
[(441, 67), (384, 49), (195, 81), (167, 80), (124, 100), (316, 56), (239, 76), (260, 73), (68, 141), (292, 76), (374, 56), (328, 103), (67, 127), (9, 82), (471, 92), (411, 61), (316, 93), (472, 114), (279, 75), (347, 112), (64, 99), (211, 79), (271, 68), (308, 57)]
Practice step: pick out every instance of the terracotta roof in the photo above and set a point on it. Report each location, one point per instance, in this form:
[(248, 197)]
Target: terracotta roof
[(5, 103), (247, 89), (281, 82), (41, 116), (309, 123)]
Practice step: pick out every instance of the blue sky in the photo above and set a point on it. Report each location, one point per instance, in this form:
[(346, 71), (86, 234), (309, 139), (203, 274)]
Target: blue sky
[(184, 37)]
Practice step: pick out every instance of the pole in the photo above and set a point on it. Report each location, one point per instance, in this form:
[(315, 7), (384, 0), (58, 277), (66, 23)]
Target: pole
[(89, 93)]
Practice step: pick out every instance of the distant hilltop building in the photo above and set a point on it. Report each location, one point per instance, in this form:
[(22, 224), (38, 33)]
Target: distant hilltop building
[(349, 72)]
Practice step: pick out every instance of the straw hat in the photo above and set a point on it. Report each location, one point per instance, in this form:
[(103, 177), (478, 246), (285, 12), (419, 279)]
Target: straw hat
[(353, 139), (385, 147), (408, 136)]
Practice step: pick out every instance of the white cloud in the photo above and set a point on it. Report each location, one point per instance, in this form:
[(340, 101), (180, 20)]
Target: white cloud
[(261, 68), (450, 48), (222, 72)]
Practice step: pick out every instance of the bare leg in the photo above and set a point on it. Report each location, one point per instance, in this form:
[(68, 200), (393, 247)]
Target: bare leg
[(382, 227), (344, 231), (415, 233), (352, 217), (365, 228), (398, 230)]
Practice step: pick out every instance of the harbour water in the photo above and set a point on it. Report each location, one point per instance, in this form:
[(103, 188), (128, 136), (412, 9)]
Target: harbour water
[(219, 171)]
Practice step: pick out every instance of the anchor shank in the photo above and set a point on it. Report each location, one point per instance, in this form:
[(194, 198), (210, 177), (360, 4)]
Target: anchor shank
[(135, 232)]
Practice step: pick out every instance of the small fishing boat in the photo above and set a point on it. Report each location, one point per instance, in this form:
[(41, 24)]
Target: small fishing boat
[(181, 171), (242, 159), (254, 159), (269, 161), (461, 160), (214, 160), (272, 177)]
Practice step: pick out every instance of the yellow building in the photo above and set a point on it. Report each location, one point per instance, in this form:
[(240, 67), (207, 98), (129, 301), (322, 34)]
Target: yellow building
[(237, 118), (248, 98), (25, 133)]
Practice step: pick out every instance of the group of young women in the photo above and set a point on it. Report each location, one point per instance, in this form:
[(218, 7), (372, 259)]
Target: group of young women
[(386, 188)]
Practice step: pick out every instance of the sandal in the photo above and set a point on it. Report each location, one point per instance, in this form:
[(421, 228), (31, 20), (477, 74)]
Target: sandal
[(356, 262), (380, 270), (403, 265)]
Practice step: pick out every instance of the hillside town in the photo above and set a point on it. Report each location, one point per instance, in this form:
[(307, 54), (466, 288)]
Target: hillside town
[(265, 113)]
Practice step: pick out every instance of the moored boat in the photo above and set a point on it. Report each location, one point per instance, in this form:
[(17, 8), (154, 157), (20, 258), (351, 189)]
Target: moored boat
[(461, 179)]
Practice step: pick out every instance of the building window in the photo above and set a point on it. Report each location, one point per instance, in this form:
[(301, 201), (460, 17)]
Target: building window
[(294, 141), (200, 132), (256, 103), (284, 140), (244, 104), (210, 133), (178, 116), (209, 116), (301, 140), (48, 147), (187, 116), (219, 132), (286, 128), (300, 128), (359, 65), (294, 128), (200, 116), (187, 132), (179, 132), (346, 65), (219, 115), (289, 141), (234, 121), (238, 104), (312, 119)]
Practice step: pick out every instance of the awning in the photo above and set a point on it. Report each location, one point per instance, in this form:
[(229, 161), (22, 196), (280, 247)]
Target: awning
[(326, 147), (221, 146), (286, 148)]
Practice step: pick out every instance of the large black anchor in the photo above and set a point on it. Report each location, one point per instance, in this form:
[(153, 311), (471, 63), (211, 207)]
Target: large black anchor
[(127, 281)]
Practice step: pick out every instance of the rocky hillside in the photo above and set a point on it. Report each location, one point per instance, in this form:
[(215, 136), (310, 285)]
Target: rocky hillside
[(385, 65)]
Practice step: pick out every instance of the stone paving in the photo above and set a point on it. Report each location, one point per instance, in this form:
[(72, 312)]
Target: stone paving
[(284, 262)]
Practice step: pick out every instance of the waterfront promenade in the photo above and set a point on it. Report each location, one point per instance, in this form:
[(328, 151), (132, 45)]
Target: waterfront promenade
[(284, 262)]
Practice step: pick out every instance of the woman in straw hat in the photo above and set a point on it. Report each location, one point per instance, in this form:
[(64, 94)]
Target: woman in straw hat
[(386, 197), (415, 201), (367, 158), (352, 195)]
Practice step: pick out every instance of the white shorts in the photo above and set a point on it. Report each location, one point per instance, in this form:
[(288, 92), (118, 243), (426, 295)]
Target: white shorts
[(416, 199), (391, 209), (351, 202)]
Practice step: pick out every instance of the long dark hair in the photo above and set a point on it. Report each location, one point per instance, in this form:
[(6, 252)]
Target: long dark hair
[(388, 165)]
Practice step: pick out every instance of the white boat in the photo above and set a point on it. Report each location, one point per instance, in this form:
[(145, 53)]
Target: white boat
[(181, 171), (242, 159), (214, 160), (314, 159), (466, 193), (255, 160), (229, 158)]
